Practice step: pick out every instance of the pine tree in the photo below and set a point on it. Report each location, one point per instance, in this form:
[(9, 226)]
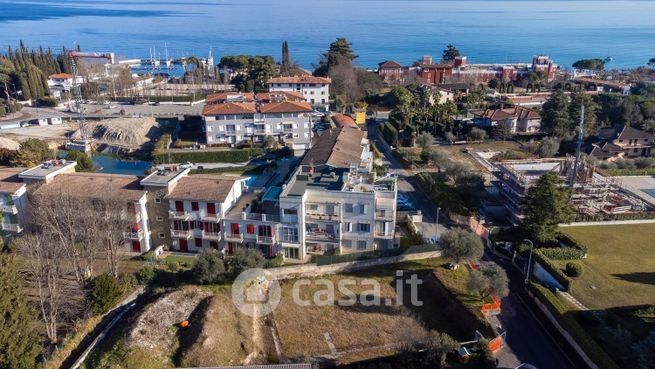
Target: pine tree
[(555, 117), (286, 59), (545, 206), (18, 341)]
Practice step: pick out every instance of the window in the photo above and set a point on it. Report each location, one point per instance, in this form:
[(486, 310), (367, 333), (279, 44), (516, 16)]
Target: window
[(362, 209), (194, 206), (160, 219), (198, 242), (364, 227), (347, 244), (361, 245), (290, 211), (349, 208), (290, 234), (235, 228), (161, 235), (313, 207), (211, 208), (157, 200), (329, 209)]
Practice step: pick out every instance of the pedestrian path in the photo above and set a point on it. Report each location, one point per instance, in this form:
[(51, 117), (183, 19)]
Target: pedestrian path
[(573, 301)]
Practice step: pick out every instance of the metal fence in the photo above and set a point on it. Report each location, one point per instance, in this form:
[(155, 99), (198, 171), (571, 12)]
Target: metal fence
[(335, 259)]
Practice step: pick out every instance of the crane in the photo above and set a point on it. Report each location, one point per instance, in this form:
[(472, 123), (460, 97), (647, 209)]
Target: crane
[(73, 56)]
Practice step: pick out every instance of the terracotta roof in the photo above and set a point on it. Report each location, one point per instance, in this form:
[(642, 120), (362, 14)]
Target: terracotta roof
[(203, 187), (9, 181), (229, 108), (342, 120), (390, 64), (299, 79), (286, 107), (279, 96), (502, 114), (628, 133), (95, 186), (226, 96), (336, 147), (60, 76)]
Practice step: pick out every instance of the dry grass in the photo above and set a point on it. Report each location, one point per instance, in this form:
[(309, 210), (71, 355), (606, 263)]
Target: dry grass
[(458, 152), (225, 335), (302, 329)]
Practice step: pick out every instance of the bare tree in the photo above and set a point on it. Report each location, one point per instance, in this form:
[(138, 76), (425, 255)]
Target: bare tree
[(45, 268), (69, 221), (114, 218)]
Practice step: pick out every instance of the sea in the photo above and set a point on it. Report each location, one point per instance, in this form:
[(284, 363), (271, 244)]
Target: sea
[(379, 30)]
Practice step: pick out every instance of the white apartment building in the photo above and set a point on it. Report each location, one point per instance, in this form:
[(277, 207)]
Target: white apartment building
[(327, 209), (232, 118), (335, 202), (13, 201), (315, 90), (61, 83)]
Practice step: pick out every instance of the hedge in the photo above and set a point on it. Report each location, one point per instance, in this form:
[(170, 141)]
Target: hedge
[(621, 216), (567, 240), (568, 322), (390, 133), (563, 253), (555, 271), (228, 156)]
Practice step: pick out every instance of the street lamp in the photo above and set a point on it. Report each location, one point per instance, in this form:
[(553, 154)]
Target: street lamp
[(527, 272)]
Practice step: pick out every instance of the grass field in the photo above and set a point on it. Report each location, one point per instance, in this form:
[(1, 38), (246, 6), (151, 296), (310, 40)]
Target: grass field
[(620, 268)]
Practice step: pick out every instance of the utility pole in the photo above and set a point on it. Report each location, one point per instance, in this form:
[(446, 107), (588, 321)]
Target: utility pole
[(577, 152)]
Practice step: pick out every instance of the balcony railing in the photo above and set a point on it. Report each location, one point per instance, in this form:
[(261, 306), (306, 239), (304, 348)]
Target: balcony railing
[(181, 234), (387, 214), (322, 235), (230, 133), (234, 237), (214, 236), (213, 218), (179, 215), (11, 209), (383, 235), (133, 235), (327, 217), (265, 239), (11, 227)]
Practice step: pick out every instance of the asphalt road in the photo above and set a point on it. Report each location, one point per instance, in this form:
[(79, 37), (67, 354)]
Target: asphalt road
[(530, 338)]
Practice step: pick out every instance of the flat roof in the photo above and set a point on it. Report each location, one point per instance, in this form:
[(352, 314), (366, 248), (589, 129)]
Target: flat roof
[(204, 187), (327, 179), (164, 175), (95, 186), (641, 186), (46, 169), (9, 181)]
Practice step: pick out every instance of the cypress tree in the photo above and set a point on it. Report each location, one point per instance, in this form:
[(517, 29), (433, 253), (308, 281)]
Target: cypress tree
[(18, 342)]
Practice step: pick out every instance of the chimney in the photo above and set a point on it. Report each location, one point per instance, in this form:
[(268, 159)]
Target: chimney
[(460, 61)]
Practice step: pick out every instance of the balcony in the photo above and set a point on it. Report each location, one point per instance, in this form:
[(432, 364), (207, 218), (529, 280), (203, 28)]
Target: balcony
[(210, 218), (234, 237), (265, 240), (179, 215), (11, 209), (262, 131), (230, 133), (384, 214), (214, 236), (322, 235), (324, 217), (181, 234), (383, 235), (11, 227), (133, 235)]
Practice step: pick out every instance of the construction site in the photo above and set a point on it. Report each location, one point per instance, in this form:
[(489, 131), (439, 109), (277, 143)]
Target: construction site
[(594, 196)]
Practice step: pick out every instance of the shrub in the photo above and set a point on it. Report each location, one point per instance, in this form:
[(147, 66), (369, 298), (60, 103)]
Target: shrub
[(556, 272), (390, 133), (104, 293), (243, 259), (145, 275), (277, 261), (209, 267), (523, 248), (49, 101), (574, 269), (127, 282)]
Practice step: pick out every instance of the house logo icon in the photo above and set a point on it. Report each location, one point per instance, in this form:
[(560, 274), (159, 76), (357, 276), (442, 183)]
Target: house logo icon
[(256, 292)]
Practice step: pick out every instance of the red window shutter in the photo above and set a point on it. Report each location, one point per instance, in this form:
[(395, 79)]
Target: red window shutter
[(194, 206), (235, 228), (211, 208), (251, 228), (213, 244), (135, 228), (179, 206), (260, 231), (176, 225), (198, 242), (206, 227)]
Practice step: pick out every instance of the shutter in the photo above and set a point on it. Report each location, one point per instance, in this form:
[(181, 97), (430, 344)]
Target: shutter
[(211, 208)]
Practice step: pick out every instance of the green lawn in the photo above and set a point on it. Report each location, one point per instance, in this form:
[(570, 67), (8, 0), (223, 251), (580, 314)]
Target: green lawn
[(620, 267)]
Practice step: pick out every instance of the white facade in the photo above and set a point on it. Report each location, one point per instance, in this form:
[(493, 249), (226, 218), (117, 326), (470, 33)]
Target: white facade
[(315, 90)]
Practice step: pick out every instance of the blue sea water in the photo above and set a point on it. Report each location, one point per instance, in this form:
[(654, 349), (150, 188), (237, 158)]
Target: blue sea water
[(487, 31)]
